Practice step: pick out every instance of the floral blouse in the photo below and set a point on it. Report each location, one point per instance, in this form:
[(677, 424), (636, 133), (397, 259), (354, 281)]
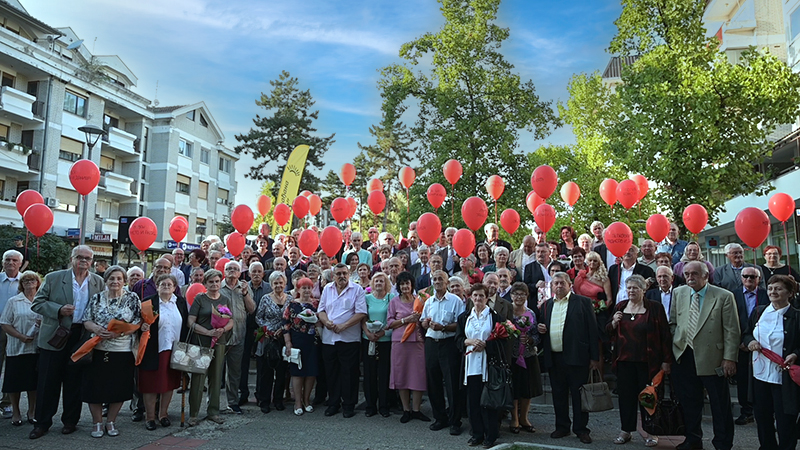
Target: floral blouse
[(270, 315), (101, 310), (292, 321)]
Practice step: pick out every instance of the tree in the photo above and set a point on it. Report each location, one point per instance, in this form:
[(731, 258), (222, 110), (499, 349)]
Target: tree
[(275, 136), (47, 254), (690, 120), (267, 188), (472, 106)]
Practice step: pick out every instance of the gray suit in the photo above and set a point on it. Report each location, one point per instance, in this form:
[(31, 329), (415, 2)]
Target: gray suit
[(730, 279)]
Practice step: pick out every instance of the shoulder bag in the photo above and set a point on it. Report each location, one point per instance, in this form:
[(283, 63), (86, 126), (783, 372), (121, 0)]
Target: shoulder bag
[(191, 358), (666, 418), (595, 395), (497, 393)]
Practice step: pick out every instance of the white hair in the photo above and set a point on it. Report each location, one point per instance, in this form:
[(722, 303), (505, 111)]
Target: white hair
[(732, 246)]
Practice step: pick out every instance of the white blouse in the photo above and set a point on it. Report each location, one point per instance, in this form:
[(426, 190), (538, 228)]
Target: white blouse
[(169, 324), (19, 315), (478, 326), (769, 333)]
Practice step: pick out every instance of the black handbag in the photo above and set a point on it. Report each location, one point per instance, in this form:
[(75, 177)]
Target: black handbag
[(497, 393), (86, 359), (667, 419)]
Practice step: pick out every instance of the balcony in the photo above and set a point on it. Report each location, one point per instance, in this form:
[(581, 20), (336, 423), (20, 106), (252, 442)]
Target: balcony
[(116, 186), (19, 106), (120, 142), (14, 157)]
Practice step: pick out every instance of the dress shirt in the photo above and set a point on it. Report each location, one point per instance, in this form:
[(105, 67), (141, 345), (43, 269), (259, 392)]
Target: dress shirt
[(413, 257), (622, 293), (503, 292), (557, 319), (701, 295), (169, 323), (340, 307), (527, 259), (666, 299), (545, 271), (769, 333), (18, 314), (9, 287), (178, 274), (80, 297), (444, 310), (478, 326)]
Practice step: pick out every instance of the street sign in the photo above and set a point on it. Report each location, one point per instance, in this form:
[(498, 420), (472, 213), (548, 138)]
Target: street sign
[(73, 233), (185, 246), (101, 237)]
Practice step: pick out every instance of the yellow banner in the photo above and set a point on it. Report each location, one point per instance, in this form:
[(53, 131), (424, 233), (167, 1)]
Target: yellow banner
[(290, 183)]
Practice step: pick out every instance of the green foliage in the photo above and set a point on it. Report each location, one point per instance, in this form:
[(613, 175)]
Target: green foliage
[(275, 136), (268, 189), (645, 25), (53, 252)]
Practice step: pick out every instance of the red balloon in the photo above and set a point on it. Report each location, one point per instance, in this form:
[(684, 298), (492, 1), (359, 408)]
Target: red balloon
[(657, 227), (242, 218), (641, 183), (308, 242), (193, 290), (340, 210), (220, 265), (509, 220), (532, 201), (752, 226), (331, 241), (627, 193), (178, 227), (474, 212), (264, 205), (452, 171), (608, 191), (407, 176), (143, 233), (376, 201), (570, 192), (429, 228), (695, 218), (495, 186), (545, 217), (464, 242), (38, 219), (27, 198), (374, 184), (348, 174), (780, 205), (235, 244), (282, 213), (544, 181), (84, 176), (306, 193), (351, 202), (618, 238), (300, 206), (314, 204), (436, 195)]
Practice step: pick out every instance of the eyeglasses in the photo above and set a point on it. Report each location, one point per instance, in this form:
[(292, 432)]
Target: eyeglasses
[(163, 267), (84, 258), (749, 277), (518, 294)]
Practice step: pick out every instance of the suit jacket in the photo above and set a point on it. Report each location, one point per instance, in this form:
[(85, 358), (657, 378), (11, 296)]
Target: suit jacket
[(579, 341), (444, 254), (515, 258), (423, 281), (727, 278), (602, 250), (533, 274), (718, 334), (741, 305), (55, 292), (416, 270), (500, 242), (501, 306), (150, 359), (638, 269), (655, 295)]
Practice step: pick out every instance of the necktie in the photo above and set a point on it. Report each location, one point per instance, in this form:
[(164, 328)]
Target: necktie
[(694, 315)]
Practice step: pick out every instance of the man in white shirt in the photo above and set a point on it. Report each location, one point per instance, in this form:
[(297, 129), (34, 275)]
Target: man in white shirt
[(448, 254), (504, 288), (662, 293), (342, 305), (648, 257), (9, 287), (524, 255), (363, 255), (628, 266)]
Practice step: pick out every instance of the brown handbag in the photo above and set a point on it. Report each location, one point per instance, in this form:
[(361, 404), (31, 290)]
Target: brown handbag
[(59, 339)]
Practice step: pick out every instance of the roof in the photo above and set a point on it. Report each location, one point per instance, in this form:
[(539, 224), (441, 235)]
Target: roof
[(15, 8), (614, 67), (165, 109)]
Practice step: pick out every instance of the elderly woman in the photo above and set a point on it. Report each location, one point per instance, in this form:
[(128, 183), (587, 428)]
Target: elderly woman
[(135, 274), (377, 364), (458, 287), (585, 242), (468, 270), (472, 340), (526, 377), (202, 331), (384, 253), (568, 236), (108, 378), (501, 256), (300, 334), (642, 347), (578, 256), (484, 255), (773, 265), (693, 253), (21, 326), (408, 357), (776, 398), (157, 380), (271, 368)]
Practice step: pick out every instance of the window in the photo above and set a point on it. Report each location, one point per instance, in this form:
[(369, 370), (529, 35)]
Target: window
[(224, 165), (75, 104), (4, 132), (144, 172), (203, 121), (144, 143), (141, 193), (202, 190), (71, 150), (3, 190), (23, 186), (794, 24), (185, 148), (184, 183), (204, 155), (200, 227), (106, 164), (8, 80), (222, 196), (109, 122), (68, 200), (27, 137), (190, 115)]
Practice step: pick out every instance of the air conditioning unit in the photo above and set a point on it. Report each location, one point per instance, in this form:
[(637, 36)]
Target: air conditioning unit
[(52, 202)]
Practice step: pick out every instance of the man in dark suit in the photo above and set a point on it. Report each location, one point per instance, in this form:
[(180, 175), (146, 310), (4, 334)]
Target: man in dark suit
[(536, 275), (492, 232), (420, 267), (662, 293), (278, 265), (568, 326), (747, 298), (449, 257), (629, 266), (61, 301), (435, 264), (729, 276), (504, 289)]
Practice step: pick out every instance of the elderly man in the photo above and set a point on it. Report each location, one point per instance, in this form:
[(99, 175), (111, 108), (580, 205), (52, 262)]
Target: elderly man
[(729, 276), (618, 273), (420, 267), (526, 254), (147, 287), (342, 306), (747, 298), (9, 287), (174, 270), (539, 234), (371, 245), (179, 256), (537, 274), (448, 254), (492, 232), (387, 238), (504, 286), (196, 276), (597, 228), (279, 265), (567, 328), (61, 301), (23, 250), (258, 289), (293, 265), (648, 257), (393, 268), (705, 327), (662, 293), (493, 301), (364, 256), (435, 263), (241, 304), (442, 359), (673, 244)]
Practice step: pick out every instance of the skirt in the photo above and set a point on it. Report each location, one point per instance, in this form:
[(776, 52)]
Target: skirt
[(306, 343), (526, 382), (108, 378), (164, 379), (21, 374), (408, 366)]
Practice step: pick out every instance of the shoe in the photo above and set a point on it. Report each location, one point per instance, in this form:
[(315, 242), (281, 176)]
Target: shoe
[(688, 446), (97, 431), (421, 417), (265, 409), (165, 422), (488, 444), (585, 438), (216, 419), (385, 412), (528, 428), (559, 434), (7, 412), (242, 400), (138, 416), (192, 422), (236, 409), (309, 409), (36, 433), (348, 413), (438, 425), (623, 438), (298, 412), (331, 411), (474, 441), (111, 429), (150, 425), (406, 417), (651, 441), (16, 423), (370, 412), (68, 429), (455, 430), (279, 406), (31, 420), (514, 430), (744, 419)]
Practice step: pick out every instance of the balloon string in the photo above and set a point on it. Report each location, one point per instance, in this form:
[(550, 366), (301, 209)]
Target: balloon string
[(26, 244), (495, 211), (786, 239), (408, 210), (37, 248), (452, 206)]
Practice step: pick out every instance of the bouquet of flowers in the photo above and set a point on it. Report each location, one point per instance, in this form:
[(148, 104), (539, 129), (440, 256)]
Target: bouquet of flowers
[(220, 316), (524, 325), (308, 316), (502, 330), (599, 305), (374, 326), (149, 317)]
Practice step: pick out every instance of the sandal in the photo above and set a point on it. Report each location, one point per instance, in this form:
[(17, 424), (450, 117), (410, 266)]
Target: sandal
[(298, 411), (651, 441), (309, 409), (514, 429), (16, 423), (623, 438), (111, 429), (98, 431), (528, 428), (192, 422), (216, 419)]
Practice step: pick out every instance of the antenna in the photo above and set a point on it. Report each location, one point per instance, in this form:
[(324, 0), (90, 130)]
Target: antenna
[(75, 44), (155, 101)]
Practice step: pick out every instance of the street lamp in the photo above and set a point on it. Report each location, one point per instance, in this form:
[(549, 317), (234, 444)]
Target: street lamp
[(93, 133)]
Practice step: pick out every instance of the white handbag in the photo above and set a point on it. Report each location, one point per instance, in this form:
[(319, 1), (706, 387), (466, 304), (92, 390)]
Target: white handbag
[(294, 358)]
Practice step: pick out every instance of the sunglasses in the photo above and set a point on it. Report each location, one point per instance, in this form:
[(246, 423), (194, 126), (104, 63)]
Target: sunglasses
[(750, 277)]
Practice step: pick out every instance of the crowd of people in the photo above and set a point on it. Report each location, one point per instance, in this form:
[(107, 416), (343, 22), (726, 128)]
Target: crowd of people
[(408, 319)]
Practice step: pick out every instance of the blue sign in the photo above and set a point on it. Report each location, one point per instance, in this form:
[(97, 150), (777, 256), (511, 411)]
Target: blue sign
[(185, 246), (73, 233)]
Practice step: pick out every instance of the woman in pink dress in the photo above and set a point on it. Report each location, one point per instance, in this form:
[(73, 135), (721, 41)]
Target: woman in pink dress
[(594, 283)]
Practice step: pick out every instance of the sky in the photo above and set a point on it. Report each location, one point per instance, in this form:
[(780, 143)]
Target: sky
[(225, 52)]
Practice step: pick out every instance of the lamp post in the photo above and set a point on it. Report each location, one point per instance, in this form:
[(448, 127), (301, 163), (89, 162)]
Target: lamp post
[(93, 133)]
